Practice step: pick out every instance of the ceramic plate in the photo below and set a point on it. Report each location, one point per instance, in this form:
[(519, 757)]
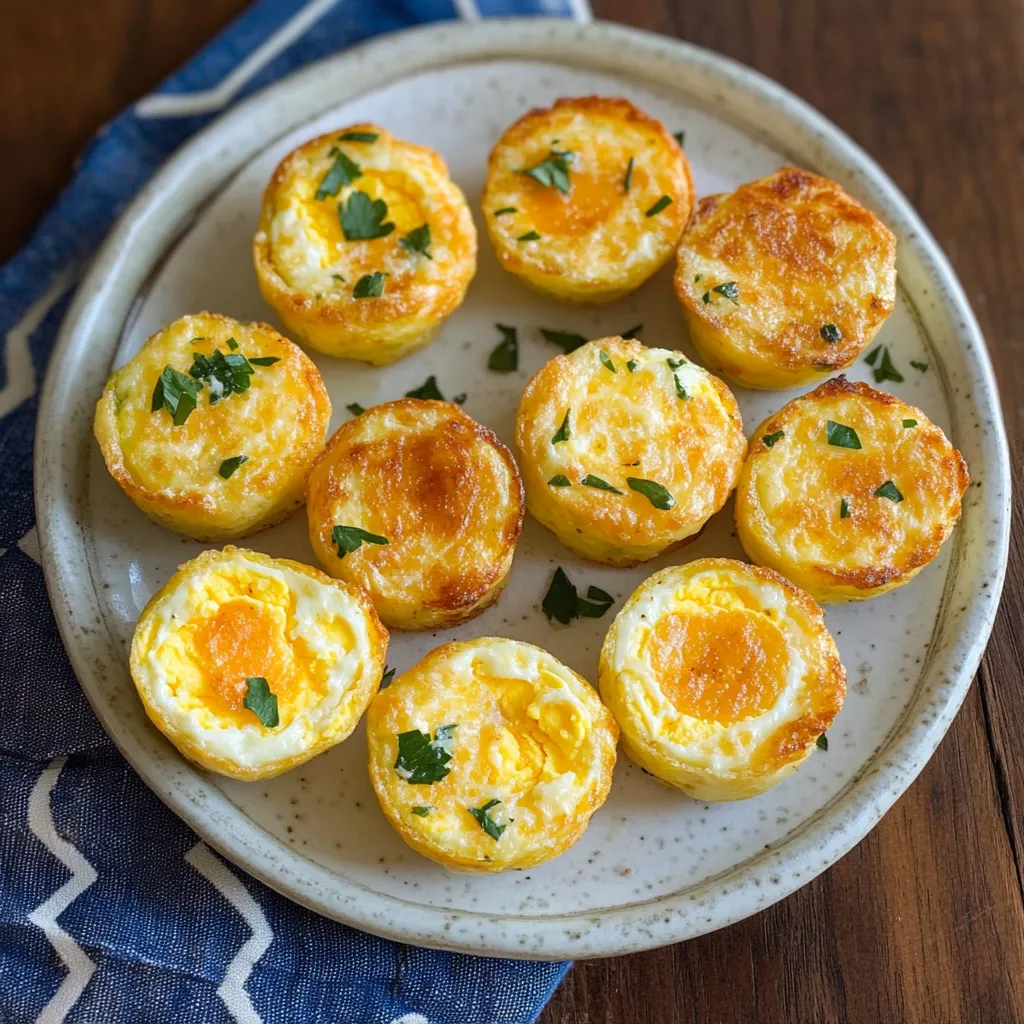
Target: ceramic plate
[(654, 867)]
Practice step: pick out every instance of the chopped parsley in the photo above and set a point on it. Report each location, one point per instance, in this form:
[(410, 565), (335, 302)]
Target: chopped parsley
[(261, 702), (562, 434), (872, 357), (232, 344), (342, 172), (195, 341), (631, 365), (597, 602), (565, 339), (821, 742), (530, 236), (730, 290), (223, 374), (841, 436), (632, 332), (264, 360), (422, 761), (358, 137), (598, 484), (505, 356), (890, 491), (673, 365), (428, 389), (628, 180), (350, 538), (553, 171), (562, 603), (885, 369), (355, 408), (460, 398), (606, 360), (370, 286), (680, 137), (655, 493), (918, 366), (421, 812), (659, 206), (387, 679), (844, 509), (830, 332), (769, 439), (362, 217), (909, 423), (418, 240), (559, 480), (176, 393), (340, 278), (504, 210), (228, 466), (485, 821)]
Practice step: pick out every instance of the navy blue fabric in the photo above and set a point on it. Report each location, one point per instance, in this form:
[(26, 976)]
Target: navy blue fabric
[(111, 909)]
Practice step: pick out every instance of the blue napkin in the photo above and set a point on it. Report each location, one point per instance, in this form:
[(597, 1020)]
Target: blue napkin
[(111, 910)]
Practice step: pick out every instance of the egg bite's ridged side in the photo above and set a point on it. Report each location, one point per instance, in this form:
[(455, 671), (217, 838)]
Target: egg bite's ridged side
[(631, 417), (443, 492), (173, 472), (231, 615), (785, 280), (309, 264), (597, 241), (812, 510), (529, 733), (721, 676)]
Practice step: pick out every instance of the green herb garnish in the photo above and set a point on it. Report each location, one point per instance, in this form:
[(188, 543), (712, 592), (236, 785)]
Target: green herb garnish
[(264, 360), (830, 332), (872, 357), (362, 217), (654, 492), (680, 137), (631, 365), (342, 172), (340, 278), (918, 366), (261, 702), (387, 679), (565, 339), (562, 603), (770, 439), (530, 236), (370, 286), (890, 491), (355, 408), (730, 290), (844, 509), (421, 760), (673, 365), (505, 356), (553, 170), (606, 360), (821, 742), (485, 821), (223, 374), (909, 423), (228, 466), (841, 436), (176, 393), (418, 240), (428, 389), (232, 344), (885, 369), (598, 484), (460, 398), (504, 210), (632, 332), (659, 206), (350, 538), (358, 137), (597, 603), (559, 480), (562, 434), (421, 812), (628, 180)]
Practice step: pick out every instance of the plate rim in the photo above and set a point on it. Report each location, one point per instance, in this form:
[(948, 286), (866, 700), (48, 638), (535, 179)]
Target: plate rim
[(60, 479)]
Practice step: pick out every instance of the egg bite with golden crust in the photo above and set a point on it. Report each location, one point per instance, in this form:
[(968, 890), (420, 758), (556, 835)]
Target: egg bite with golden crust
[(627, 451), (213, 426), (490, 754), (785, 280), (365, 244), (421, 506), (251, 665), (587, 199), (721, 676), (848, 491)]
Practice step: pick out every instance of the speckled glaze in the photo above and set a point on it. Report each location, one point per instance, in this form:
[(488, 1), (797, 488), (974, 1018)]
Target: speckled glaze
[(655, 867)]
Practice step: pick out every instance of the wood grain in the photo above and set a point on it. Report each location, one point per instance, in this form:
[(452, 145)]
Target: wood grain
[(924, 921)]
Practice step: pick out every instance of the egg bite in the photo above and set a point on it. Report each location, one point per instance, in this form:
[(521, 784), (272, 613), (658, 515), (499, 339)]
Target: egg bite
[(213, 426), (365, 244), (490, 754), (785, 280), (627, 451), (848, 491), (251, 665), (422, 507), (587, 199), (721, 676)]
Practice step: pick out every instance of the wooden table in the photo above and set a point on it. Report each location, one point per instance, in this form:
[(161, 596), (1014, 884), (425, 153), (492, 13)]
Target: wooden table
[(924, 921)]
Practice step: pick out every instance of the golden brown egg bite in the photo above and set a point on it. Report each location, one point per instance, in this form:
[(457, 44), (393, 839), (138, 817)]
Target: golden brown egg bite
[(586, 200), (420, 505), (213, 426), (490, 754), (721, 676), (785, 280), (627, 451), (848, 491), (251, 665), (365, 244)]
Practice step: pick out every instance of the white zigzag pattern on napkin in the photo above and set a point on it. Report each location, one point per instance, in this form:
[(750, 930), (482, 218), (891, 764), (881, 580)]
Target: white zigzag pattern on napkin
[(209, 100), (411, 1018), (83, 874), (21, 376), (232, 989)]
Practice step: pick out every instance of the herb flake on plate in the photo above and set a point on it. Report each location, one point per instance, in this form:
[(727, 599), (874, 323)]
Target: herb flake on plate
[(566, 340), (428, 389), (504, 357)]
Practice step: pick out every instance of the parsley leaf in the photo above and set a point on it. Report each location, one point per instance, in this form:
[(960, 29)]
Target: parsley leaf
[(890, 491), (505, 357), (632, 332), (358, 137), (673, 365), (421, 812), (176, 393), (350, 538), (428, 389), (562, 603), (261, 702), (567, 340), (356, 409), (504, 210), (562, 434), (606, 360), (530, 236), (655, 493), (659, 206), (821, 742), (918, 366), (228, 466), (223, 374), (631, 365), (387, 679), (370, 286), (553, 171), (460, 398), (844, 509), (680, 137), (841, 436), (559, 480), (363, 217), (770, 439), (872, 357), (598, 484), (342, 172), (909, 423), (885, 369), (264, 360), (418, 240), (485, 821), (730, 290), (628, 180), (422, 761), (597, 603), (830, 332), (232, 344)]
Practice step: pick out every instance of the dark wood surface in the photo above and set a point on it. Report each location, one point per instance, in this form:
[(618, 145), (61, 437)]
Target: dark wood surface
[(924, 921)]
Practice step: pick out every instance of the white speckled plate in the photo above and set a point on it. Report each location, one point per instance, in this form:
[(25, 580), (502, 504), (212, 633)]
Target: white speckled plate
[(654, 867)]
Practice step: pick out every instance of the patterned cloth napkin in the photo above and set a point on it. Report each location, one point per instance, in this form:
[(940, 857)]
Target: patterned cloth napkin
[(111, 910)]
